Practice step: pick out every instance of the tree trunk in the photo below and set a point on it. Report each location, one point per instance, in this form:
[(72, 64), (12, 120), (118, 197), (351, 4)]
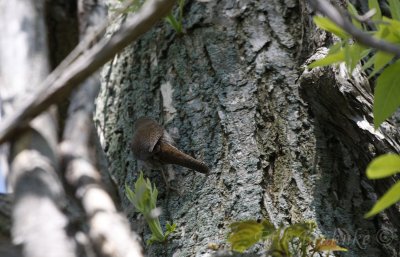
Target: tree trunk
[(228, 91)]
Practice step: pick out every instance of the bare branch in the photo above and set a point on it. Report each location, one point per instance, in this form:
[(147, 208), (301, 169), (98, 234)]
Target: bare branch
[(39, 225), (109, 231), (56, 88), (332, 13)]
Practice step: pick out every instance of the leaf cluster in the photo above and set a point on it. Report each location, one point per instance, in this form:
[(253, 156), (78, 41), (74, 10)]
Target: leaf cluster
[(174, 22), (294, 240), (144, 198), (382, 167), (387, 91)]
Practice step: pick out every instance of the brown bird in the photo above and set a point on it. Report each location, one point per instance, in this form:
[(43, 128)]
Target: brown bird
[(153, 145)]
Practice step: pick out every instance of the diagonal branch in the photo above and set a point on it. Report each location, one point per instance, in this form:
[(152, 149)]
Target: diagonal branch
[(56, 88), (332, 13)]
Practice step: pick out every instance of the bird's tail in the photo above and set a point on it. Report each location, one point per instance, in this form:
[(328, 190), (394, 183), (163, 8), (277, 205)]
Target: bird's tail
[(171, 155)]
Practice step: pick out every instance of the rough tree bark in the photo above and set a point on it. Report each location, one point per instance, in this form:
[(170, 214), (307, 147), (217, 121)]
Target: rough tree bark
[(228, 89)]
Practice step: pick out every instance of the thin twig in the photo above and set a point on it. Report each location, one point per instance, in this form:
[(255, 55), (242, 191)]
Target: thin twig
[(56, 88), (332, 13), (366, 16)]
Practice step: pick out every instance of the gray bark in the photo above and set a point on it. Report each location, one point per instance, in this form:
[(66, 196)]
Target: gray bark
[(6, 246), (228, 91), (109, 231), (346, 142), (38, 193)]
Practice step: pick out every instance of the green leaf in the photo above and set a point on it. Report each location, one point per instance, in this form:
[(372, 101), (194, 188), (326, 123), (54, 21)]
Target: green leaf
[(245, 234), (175, 23), (302, 231), (129, 193), (177, 26), (293, 240), (328, 25), (381, 60), (369, 63), (144, 198), (391, 197), (383, 166), (347, 56), (169, 229), (329, 59), (324, 245), (365, 52), (373, 4), (394, 6), (383, 32), (335, 48), (393, 27), (353, 55), (141, 197), (387, 93), (388, 30)]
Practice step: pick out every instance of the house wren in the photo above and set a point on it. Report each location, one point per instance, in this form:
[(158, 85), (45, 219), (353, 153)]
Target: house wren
[(153, 145)]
